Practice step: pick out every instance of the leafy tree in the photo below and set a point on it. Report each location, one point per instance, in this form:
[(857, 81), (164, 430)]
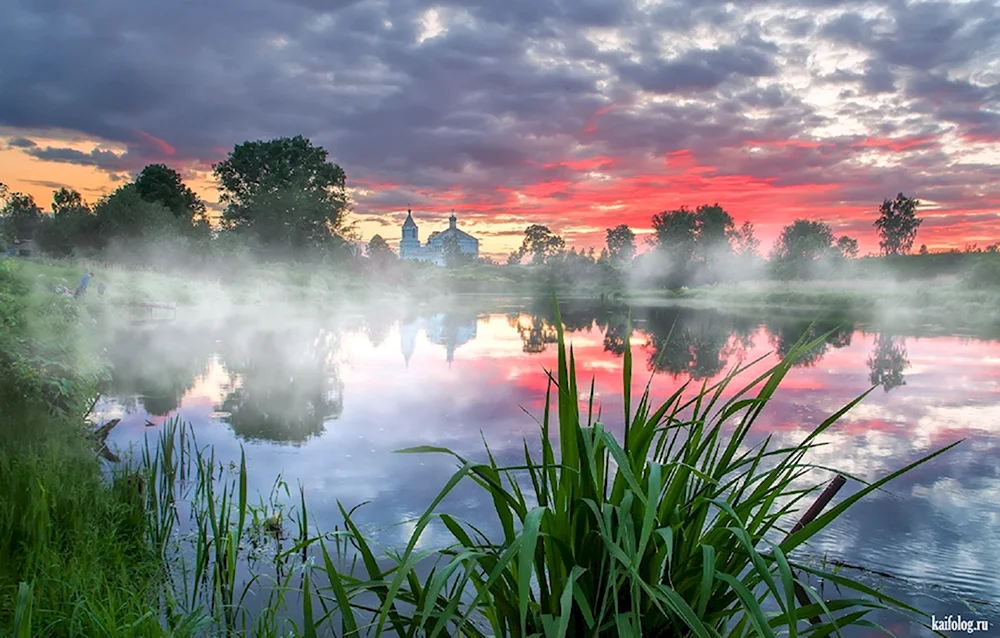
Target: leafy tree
[(285, 193), (541, 243), (515, 257), (621, 243), (162, 184), (67, 201), (745, 241), (20, 216), (897, 225), (801, 244), (379, 250), (675, 233), (124, 214), (848, 247), (693, 242), (715, 230), (72, 225), (453, 255), (923, 249)]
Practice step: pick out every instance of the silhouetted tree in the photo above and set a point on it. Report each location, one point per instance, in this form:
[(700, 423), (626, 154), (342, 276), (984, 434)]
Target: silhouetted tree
[(126, 215), (20, 216), (693, 242), (541, 243), (379, 251), (802, 246), (621, 243), (848, 247), (452, 251), (745, 242), (897, 225), (162, 184), (72, 225)]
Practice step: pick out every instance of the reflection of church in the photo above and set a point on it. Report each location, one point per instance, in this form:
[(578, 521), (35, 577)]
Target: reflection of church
[(444, 329)]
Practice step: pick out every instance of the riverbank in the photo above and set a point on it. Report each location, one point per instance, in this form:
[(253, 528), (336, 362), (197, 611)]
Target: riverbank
[(71, 542), (944, 302)]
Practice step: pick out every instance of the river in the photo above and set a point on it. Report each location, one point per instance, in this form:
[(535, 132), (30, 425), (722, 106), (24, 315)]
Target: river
[(325, 402)]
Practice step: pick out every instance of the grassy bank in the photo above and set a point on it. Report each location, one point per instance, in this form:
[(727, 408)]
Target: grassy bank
[(945, 302), (71, 542)]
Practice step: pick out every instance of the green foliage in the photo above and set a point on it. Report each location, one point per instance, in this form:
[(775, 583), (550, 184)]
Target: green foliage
[(694, 246), (285, 194), (541, 243), (453, 255), (73, 558), (380, 254), (985, 273), (745, 242), (20, 216), (806, 248), (161, 184), (897, 225), (620, 242), (666, 532), (72, 227)]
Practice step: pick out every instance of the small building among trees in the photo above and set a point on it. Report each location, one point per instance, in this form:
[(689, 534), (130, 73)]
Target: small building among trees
[(442, 247)]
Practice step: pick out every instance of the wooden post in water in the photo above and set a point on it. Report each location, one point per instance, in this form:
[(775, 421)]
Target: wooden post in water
[(811, 513)]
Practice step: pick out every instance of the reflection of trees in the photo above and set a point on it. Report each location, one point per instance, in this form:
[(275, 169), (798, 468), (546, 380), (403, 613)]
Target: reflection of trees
[(157, 366), (536, 332), (538, 328), (887, 362), (286, 384), (615, 328), (786, 332), (377, 326), (698, 343)]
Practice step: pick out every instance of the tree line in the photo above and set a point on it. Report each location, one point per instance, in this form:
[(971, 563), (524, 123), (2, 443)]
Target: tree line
[(281, 196), (704, 245), (284, 197)]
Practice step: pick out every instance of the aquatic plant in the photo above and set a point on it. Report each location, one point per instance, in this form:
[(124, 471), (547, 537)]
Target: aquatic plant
[(670, 532)]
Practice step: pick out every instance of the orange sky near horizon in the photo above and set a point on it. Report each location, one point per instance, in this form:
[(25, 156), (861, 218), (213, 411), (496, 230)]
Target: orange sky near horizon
[(581, 217)]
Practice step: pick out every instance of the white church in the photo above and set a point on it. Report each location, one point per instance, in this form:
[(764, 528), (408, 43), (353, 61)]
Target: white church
[(433, 250)]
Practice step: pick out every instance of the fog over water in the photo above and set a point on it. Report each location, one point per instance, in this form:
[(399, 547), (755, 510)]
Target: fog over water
[(325, 402)]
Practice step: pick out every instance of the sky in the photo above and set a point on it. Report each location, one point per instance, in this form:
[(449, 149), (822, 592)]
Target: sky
[(576, 114)]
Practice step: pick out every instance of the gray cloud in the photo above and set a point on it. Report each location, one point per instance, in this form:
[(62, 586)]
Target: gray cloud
[(506, 90), (21, 142)]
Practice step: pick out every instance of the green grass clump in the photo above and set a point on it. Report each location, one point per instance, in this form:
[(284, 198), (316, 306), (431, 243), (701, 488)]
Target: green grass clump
[(674, 531)]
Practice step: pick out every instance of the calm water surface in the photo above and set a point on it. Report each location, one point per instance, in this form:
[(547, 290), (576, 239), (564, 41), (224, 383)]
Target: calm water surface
[(325, 402)]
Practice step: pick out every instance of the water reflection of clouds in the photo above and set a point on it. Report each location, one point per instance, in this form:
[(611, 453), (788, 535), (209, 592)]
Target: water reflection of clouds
[(939, 523)]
